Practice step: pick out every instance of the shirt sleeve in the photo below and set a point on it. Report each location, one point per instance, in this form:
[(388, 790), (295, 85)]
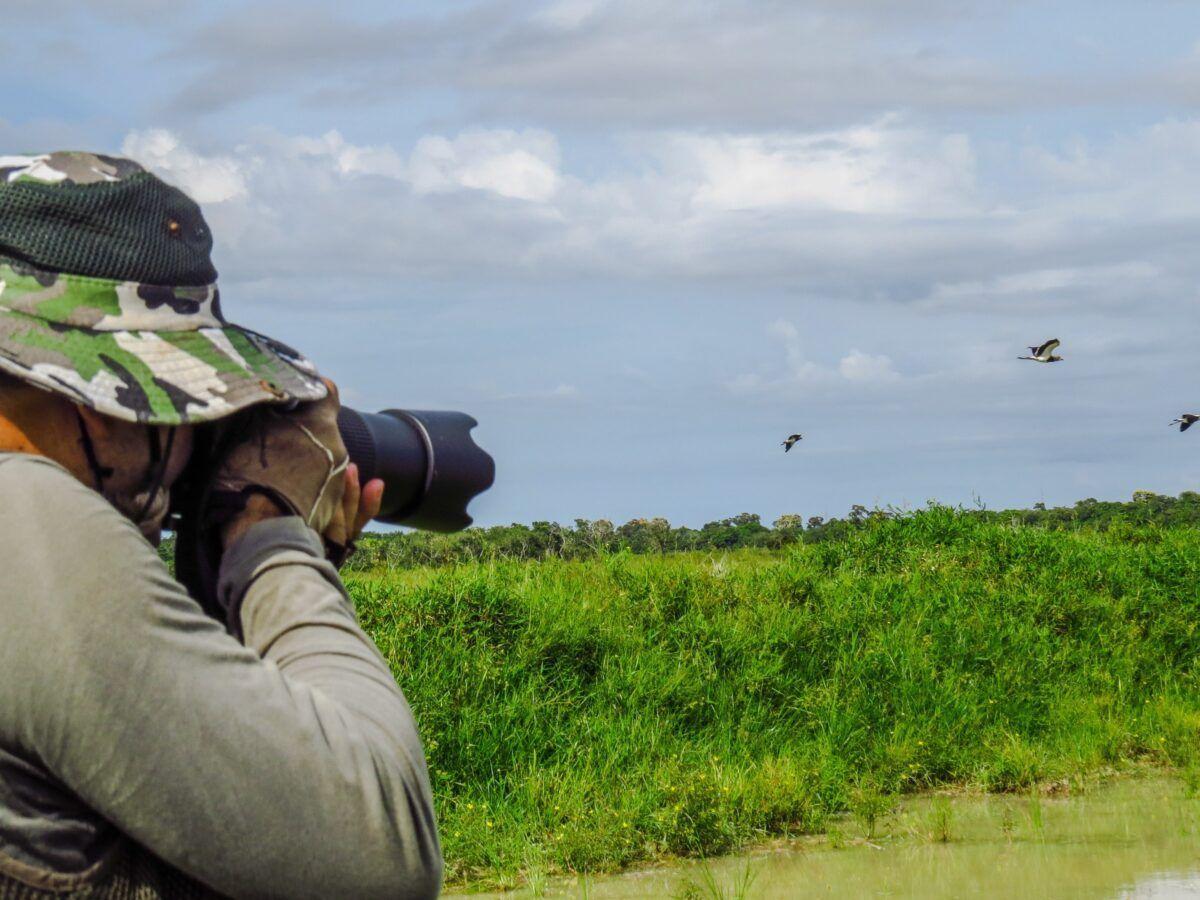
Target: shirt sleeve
[(287, 766)]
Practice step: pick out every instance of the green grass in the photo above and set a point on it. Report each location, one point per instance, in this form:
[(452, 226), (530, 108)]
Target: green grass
[(584, 716)]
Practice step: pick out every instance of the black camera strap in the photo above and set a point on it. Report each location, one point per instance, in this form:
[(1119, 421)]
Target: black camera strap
[(156, 468), (160, 458), (99, 473)]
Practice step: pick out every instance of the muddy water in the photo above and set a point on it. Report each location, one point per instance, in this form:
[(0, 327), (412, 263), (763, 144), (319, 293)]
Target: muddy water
[(1135, 839)]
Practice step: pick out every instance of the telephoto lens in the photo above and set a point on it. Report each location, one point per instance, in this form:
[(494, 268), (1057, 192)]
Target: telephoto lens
[(430, 465)]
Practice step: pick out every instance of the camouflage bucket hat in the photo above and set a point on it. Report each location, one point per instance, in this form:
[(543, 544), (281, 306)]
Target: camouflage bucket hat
[(108, 295)]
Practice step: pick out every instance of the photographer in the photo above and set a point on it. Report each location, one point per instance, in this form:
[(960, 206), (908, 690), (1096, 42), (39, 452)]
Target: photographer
[(244, 739)]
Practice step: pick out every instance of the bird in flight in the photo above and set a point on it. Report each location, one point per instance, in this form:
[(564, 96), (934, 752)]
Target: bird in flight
[(1185, 421), (791, 441), (1044, 353)]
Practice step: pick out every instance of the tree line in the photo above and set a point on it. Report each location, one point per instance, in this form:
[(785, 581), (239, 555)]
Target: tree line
[(590, 537)]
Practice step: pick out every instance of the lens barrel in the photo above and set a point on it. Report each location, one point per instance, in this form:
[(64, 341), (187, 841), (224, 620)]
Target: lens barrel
[(430, 465)]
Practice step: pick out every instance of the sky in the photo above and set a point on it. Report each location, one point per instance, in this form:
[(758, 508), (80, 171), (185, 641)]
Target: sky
[(644, 241)]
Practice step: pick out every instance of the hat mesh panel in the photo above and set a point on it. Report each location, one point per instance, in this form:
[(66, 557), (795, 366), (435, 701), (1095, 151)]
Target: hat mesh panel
[(118, 230)]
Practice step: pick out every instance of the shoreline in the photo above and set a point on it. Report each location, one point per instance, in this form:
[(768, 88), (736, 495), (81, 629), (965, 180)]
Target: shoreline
[(1063, 790)]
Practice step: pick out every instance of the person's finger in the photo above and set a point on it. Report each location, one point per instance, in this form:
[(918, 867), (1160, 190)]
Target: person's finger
[(333, 388), (350, 496), (349, 509), (337, 531), (369, 505)]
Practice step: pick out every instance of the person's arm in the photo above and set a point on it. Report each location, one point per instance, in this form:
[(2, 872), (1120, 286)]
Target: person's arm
[(288, 767)]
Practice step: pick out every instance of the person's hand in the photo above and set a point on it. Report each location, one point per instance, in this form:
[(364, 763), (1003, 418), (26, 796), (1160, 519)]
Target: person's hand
[(360, 504), (290, 462), (258, 508)]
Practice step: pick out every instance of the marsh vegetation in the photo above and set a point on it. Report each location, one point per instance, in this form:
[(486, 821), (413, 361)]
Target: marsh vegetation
[(584, 715)]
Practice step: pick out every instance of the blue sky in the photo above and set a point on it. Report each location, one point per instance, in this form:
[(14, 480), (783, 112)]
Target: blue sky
[(644, 241)]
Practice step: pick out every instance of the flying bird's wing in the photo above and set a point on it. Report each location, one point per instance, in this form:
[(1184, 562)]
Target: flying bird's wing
[(1047, 348), (1186, 422)]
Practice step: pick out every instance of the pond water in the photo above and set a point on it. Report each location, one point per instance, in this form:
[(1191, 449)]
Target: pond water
[(1135, 839)]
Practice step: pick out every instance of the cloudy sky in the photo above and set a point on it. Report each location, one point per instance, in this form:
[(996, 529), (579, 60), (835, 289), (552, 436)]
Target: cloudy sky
[(643, 241)]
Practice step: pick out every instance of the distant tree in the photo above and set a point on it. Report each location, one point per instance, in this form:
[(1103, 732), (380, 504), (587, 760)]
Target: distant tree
[(587, 538), (636, 534)]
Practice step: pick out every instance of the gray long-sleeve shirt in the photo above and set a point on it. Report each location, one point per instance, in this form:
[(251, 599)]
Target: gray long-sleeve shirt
[(287, 766)]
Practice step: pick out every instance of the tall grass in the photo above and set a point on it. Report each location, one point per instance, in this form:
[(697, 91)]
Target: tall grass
[(583, 716)]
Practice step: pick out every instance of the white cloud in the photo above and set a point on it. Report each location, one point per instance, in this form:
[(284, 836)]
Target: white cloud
[(855, 367), (876, 168), (799, 368), (207, 179), (786, 331), (865, 368), (1045, 288), (607, 66), (522, 165), (567, 15), (884, 211), (351, 159), (1150, 173)]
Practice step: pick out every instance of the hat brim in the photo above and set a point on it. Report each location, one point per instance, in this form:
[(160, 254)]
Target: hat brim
[(156, 377)]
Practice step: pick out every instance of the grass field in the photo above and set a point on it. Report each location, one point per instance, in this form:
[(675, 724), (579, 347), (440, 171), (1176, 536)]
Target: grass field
[(587, 715)]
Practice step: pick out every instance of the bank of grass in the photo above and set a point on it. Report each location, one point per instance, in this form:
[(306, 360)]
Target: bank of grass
[(584, 716)]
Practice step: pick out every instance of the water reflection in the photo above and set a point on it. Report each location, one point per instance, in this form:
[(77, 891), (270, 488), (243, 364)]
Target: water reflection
[(1165, 887), (1133, 839)]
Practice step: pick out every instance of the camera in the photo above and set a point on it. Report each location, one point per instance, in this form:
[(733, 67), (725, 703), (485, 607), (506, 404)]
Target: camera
[(430, 465)]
